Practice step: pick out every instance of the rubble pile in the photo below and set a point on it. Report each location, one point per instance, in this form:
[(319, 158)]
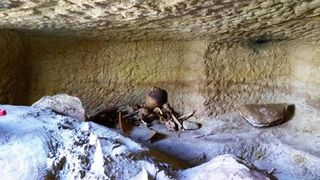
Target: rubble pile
[(42, 144)]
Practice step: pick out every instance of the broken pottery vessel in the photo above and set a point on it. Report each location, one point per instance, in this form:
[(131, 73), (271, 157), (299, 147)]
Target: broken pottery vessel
[(63, 104), (264, 115)]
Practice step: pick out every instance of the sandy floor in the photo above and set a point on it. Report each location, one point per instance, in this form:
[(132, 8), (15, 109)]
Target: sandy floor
[(36, 144), (288, 151)]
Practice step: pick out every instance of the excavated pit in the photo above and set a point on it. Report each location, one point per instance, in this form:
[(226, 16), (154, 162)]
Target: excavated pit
[(211, 57)]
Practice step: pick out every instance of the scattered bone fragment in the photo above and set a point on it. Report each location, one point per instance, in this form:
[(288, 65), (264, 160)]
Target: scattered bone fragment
[(144, 114), (187, 116), (188, 125), (175, 120), (179, 125), (130, 109), (157, 102), (264, 115), (63, 104), (158, 110), (156, 106), (170, 125)]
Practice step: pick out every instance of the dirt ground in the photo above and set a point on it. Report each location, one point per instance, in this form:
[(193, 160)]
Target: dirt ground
[(287, 151)]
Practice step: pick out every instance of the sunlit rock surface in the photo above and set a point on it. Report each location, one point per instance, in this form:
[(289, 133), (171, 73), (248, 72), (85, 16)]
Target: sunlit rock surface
[(40, 144)]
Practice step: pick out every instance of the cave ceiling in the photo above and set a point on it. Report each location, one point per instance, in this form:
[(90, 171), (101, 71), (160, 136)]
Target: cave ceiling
[(133, 20)]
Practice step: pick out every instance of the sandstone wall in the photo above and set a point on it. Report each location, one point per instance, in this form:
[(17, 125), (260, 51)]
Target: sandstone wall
[(12, 74), (305, 59), (207, 77), (262, 72), (106, 74), (246, 73)]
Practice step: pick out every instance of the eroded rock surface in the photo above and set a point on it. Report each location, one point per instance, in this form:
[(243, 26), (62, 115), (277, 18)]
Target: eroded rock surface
[(131, 20), (12, 68), (241, 56), (197, 75)]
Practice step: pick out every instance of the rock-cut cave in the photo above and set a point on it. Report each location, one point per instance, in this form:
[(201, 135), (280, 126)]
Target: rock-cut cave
[(160, 89)]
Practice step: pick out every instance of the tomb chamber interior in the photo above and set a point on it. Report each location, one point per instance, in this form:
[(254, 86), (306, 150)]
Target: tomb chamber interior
[(212, 57)]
